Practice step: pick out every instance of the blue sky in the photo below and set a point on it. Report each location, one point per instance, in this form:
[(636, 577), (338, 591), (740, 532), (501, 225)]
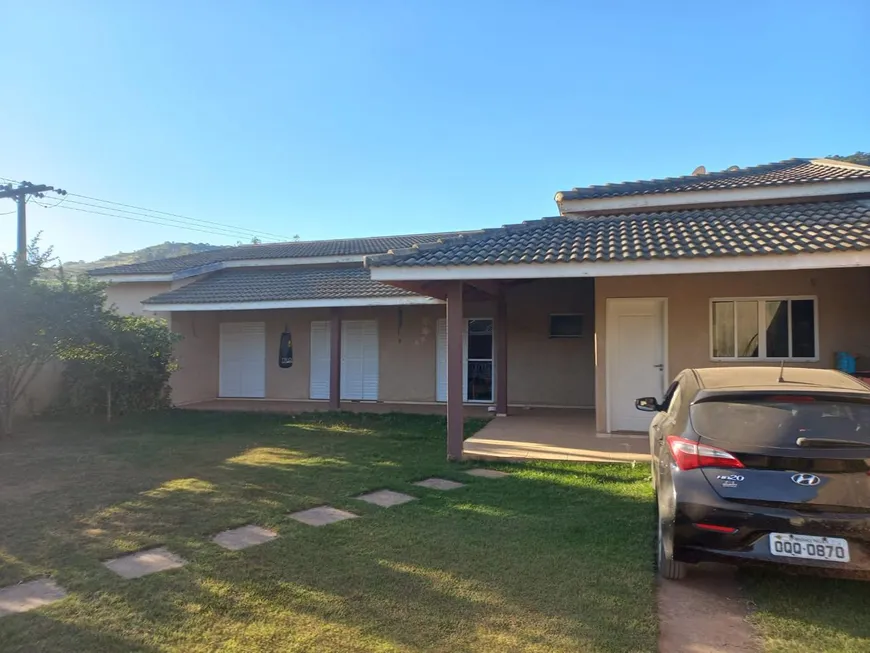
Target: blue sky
[(340, 119)]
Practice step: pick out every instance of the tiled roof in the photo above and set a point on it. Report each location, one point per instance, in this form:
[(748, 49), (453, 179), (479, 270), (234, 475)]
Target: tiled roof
[(304, 249), (689, 233), (263, 285), (793, 171)]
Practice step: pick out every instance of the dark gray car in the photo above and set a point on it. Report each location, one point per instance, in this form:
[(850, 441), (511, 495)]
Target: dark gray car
[(765, 465)]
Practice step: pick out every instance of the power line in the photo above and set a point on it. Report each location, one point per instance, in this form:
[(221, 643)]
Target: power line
[(153, 219), (174, 217), (162, 224)]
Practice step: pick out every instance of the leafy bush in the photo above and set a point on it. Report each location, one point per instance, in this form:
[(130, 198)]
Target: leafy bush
[(126, 367)]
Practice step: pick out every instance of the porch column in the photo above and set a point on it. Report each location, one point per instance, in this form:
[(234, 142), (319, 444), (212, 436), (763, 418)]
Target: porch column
[(335, 359), (454, 371), (501, 356)]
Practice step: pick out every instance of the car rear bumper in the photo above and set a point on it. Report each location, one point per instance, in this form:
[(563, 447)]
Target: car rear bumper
[(754, 523)]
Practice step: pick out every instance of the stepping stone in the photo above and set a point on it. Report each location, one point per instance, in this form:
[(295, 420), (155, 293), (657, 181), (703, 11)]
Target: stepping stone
[(322, 515), (386, 498), (486, 473), (237, 539), (145, 562), (27, 596), (439, 484)]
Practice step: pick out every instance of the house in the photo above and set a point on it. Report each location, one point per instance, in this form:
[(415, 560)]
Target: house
[(753, 265), (604, 303)]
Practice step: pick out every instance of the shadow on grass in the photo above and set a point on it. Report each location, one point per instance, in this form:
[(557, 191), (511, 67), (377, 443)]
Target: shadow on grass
[(553, 558)]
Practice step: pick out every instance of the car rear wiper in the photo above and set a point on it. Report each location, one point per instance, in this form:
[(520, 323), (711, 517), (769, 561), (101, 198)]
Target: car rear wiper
[(822, 443)]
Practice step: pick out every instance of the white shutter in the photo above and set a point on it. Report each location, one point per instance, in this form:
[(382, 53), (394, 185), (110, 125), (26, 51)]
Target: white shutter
[(370, 370), (320, 361), (359, 359), (242, 359), (441, 360)]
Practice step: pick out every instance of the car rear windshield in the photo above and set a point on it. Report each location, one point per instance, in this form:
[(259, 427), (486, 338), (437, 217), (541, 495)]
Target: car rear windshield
[(779, 420)]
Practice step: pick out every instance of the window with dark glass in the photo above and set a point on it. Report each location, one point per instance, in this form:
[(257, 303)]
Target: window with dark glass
[(779, 328), (479, 381), (566, 326)]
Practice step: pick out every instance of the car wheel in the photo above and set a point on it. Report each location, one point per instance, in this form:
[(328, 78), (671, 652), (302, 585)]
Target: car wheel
[(669, 568)]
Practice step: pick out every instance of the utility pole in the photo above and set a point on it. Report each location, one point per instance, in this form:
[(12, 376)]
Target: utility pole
[(20, 194)]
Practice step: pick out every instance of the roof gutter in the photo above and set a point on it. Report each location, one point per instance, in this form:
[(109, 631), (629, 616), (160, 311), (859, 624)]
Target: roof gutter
[(224, 265), (636, 267), (292, 303)]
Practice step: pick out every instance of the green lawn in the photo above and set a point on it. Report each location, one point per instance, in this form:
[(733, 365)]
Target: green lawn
[(556, 557), (799, 613)]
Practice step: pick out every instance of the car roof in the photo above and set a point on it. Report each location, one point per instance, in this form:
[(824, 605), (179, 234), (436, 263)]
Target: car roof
[(768, 378)]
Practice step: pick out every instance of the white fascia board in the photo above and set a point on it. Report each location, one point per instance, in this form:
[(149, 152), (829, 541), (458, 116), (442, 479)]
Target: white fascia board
[(133, 278), (296, 303), (225, 265), (678, 200), (758, 263)]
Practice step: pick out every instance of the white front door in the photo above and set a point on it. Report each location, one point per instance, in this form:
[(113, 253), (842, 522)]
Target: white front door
[(242, 359), (635, 359), (359, 359)]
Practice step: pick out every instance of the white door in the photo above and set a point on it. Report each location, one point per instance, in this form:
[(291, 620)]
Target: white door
[(635, 359), (318, 385), (242, 359), (359, 359)]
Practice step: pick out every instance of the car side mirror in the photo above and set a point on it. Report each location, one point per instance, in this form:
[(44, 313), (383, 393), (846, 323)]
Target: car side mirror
[(647, 404)]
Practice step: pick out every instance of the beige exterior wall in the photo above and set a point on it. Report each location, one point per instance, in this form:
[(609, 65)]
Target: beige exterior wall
[(843, 313), (42, 391), (127, 297), (406, 349), (542, 371)]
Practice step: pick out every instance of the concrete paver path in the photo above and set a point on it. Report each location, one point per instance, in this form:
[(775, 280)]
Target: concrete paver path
[(27, 596), (237, 539), (143, 563), (322, 515)]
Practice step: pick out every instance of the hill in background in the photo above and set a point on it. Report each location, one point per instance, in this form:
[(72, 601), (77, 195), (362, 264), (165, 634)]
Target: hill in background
[(164, 250)]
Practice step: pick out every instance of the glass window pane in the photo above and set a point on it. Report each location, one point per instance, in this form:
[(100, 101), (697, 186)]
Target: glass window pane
[(747, 329), (479, 347), (803, 328), (723, 329), (480, 326), (480, 339), (776, 318), (566, 326), (479, 380)]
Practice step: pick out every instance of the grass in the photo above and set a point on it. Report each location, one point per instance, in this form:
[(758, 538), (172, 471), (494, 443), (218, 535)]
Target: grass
[(797, 613), (556, 557)]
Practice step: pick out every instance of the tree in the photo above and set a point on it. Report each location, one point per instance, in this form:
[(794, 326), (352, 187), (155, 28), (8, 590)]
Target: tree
[(39, 317), (861, 158)]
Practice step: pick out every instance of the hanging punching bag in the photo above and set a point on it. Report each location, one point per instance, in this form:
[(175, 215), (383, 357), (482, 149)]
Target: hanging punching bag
[(285, 349)]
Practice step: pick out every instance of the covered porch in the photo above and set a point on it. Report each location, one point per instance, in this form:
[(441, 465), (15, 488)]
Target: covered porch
[(553, 434)]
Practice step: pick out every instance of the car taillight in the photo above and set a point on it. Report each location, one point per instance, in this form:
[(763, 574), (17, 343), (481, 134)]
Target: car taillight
[(688, 454)]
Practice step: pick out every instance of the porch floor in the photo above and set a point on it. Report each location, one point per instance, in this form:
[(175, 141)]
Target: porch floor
[(556, 434)]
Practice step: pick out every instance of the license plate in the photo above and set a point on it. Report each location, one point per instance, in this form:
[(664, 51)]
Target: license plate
[(809, 547)]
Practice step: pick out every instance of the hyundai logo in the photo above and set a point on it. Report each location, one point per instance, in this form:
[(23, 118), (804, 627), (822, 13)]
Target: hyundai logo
[(806, 479)]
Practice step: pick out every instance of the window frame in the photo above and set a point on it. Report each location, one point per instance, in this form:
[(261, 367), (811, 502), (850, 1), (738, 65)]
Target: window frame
[(762, 342), (557, 337)]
